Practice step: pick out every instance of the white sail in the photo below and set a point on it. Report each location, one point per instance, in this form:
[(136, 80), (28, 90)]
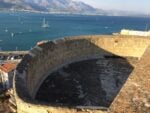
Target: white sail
[(12, 34), (45, 24)]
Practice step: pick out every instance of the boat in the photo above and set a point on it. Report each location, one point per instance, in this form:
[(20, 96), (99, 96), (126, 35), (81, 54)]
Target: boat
[(6, 30), (45, 24), (12, 34), (30, 30)]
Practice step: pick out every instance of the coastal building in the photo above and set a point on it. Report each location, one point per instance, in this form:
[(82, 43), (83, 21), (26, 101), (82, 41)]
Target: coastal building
[(134, 32), (6, 75)]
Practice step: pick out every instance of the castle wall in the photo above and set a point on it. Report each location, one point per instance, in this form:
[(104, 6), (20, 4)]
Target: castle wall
[(135, 95), (50, 56)]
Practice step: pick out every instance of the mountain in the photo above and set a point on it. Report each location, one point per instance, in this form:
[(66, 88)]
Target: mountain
[(60, 6), (63, 6), (68, 6), (19, 5)]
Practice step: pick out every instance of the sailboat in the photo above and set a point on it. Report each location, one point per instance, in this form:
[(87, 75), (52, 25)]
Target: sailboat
[(45, 24), (12, 34), (6, 30)]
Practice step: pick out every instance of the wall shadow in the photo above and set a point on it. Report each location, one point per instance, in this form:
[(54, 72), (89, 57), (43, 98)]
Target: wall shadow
[(91, 82)]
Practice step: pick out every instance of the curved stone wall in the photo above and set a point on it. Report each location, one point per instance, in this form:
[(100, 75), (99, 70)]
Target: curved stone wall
[(51, 55)]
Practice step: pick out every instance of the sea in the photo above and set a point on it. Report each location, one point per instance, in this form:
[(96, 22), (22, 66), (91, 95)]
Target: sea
[(21, 30)]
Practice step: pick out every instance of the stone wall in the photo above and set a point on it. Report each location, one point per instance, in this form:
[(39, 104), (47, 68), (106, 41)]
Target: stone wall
[(51, 55), (135, 95)]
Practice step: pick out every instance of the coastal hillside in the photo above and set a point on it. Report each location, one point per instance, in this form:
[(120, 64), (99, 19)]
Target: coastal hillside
[(62, 6), (65, 6), (14, 5)]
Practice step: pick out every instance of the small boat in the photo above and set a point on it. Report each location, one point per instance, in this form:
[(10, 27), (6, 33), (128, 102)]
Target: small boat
[(45, 24), (22, 22), (106, 27), (30, 30), (12, 34), (6, 30)]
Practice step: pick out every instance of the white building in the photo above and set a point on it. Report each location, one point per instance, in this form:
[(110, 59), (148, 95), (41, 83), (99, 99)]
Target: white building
[(135, 33), (6, 75)]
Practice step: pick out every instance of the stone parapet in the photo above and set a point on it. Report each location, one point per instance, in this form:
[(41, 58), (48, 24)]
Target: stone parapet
[(52, 55)]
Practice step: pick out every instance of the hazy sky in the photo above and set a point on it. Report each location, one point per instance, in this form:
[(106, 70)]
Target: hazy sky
[(129, 5)]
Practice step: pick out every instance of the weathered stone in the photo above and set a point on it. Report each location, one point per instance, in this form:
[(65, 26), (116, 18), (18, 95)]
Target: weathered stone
[(56, 55)]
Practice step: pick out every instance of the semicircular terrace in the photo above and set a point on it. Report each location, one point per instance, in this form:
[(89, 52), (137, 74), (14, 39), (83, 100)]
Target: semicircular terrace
[(50, 56)]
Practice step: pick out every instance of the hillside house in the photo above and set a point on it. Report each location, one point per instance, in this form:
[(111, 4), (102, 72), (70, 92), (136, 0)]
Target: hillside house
[(6, 75)]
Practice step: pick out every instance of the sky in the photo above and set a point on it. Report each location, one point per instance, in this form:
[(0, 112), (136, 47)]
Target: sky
[(140, 6)]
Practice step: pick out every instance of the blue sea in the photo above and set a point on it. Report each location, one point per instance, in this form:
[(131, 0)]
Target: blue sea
[(27, 31)]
